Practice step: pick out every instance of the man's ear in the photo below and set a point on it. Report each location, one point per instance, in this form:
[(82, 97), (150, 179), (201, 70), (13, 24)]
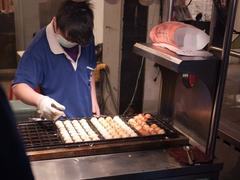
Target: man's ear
[(54, 20)]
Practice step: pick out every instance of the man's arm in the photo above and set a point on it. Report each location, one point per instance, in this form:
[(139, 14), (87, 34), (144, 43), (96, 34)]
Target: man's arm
[(47, 107), (95, 107), (26, 94)]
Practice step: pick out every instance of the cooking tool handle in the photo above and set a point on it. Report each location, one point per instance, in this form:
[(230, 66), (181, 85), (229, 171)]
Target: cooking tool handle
[(189, 155)]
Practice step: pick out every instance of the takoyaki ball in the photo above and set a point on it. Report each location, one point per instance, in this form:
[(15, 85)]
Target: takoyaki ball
[(146, 127), (84, 123), (87, 128), (152, 131), (59, 123), (111, 131), (137, 127), (141, 117), (114, 134), (67, 122), (76, 139), (116, 117), (147, 115), (104, 123), (124, 135), (108, 118), (121, 134), (139, 121), (142, 123), (160, 131), (71, 130), (69, 126), (62, 128), (135, 117), (92, 136), (131, 121), (77, 126), (73, 133), (66, 137), (93, 119), (117, 127), (68, 141), (74, 121), (133, 134), (118, 130), (113, 125), (143, 132), (65, 134), (101, 119), (154, 126), (107, 136), (95, 138), (86, 138), (134, 124)]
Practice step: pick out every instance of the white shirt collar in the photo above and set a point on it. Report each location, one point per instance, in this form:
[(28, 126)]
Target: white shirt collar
[(52, 40)]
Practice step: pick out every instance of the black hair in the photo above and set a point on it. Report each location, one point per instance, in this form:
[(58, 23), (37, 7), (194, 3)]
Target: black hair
[(75, 20)]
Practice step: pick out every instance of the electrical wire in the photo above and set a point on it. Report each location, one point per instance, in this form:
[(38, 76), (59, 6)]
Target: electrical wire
[(102, 87), (136, 87), (154, 15), (189, 3), (109, 91), (107, 94), (157, 75), (103, 101), (236, 32), (161, 10)]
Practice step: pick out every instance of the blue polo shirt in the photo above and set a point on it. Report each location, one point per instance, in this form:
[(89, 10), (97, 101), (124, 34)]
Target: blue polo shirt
[(44, 65)]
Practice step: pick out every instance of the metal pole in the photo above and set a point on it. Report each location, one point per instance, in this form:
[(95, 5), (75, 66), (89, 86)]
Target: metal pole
[(232, 8), (220, 50)]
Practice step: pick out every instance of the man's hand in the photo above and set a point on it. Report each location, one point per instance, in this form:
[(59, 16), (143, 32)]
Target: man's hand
[(49, 108), (95, 107)]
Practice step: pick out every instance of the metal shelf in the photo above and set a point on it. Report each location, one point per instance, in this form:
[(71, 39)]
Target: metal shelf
[(170, 60)]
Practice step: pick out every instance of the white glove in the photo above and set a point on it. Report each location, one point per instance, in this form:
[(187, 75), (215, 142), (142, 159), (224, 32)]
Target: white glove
[(50, 109)]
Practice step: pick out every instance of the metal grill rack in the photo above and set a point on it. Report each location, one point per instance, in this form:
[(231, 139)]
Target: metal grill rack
[(43, 141), (38, 134)]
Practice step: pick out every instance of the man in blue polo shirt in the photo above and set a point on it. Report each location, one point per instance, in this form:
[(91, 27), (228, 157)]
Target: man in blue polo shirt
[(60, 61)]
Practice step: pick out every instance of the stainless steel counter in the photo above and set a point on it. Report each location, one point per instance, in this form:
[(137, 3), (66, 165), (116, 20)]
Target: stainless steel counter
[(135, 165)]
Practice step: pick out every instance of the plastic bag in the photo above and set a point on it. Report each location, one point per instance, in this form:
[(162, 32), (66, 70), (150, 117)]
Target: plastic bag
[(181, 38)]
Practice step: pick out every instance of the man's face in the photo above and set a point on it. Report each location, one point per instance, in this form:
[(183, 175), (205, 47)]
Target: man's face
[(62, 37)]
